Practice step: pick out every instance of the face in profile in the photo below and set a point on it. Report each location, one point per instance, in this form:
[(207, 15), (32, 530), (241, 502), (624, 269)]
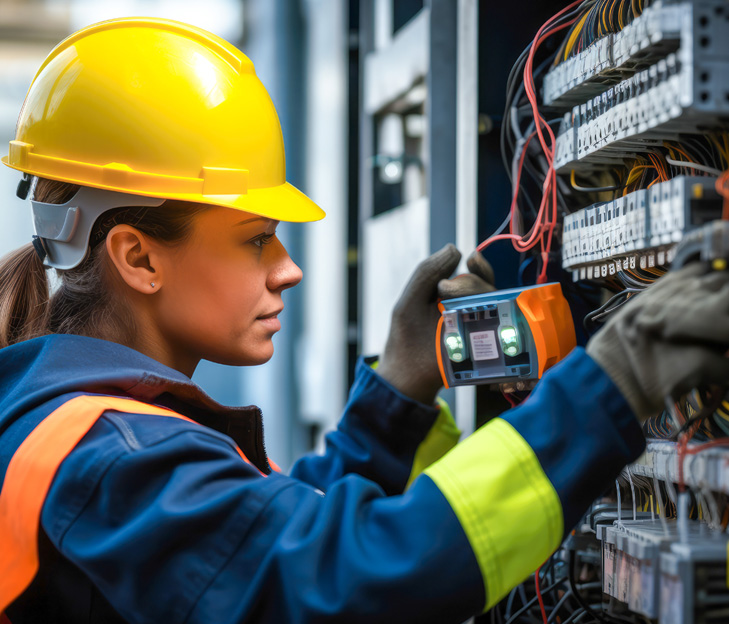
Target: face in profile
[(220, 296)]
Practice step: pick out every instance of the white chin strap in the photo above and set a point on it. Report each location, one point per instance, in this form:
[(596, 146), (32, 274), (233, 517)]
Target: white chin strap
[(64, 229)]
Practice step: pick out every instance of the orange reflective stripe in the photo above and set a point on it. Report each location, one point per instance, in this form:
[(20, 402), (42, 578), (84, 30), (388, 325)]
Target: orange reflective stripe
[(29, 476)]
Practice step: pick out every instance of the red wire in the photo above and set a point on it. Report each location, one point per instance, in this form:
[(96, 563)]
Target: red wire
[(510, 399), (543, 229), (539, 595), (683, 450), (550, 182), (722, 187), (702, 447)]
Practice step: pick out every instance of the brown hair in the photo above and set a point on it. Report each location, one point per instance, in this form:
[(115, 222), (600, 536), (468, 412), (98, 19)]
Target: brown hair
[(83, 303)]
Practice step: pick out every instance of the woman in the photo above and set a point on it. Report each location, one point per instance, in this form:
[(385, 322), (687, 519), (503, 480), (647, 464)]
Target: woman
[(154, 163)]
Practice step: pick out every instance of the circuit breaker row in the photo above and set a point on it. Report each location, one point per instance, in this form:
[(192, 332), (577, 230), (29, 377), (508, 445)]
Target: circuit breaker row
[(672, 571), (609, 234), (654, 568), (664, 75), (654, 105), (655, 33), (685, 91)]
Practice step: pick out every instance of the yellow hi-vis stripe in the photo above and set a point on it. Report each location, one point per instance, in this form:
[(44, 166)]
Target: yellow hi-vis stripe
[(508, 508)]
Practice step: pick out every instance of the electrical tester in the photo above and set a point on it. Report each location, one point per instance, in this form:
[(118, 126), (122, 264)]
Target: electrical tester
[(504, 337)]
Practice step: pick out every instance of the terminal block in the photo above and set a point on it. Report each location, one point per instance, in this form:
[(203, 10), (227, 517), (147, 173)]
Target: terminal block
[(634, 230), (666, 576), (654, 34), (685, 92)]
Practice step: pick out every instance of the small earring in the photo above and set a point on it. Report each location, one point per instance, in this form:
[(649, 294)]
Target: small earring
[(151, 284)]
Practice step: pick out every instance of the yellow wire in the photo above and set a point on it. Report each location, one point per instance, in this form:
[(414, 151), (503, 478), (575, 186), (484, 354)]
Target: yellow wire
[(575, 34), (602, 26), (634, 175), (724, 153)]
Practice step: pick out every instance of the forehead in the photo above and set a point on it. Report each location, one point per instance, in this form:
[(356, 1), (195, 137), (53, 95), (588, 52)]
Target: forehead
[(231, 218)]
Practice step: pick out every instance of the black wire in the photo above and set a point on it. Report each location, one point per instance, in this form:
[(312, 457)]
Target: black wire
[(701, 155), (608, 307), (574, 615), (533, 601), (573, 587), (567, 595), (496, 617), (630, 282), (546, 570)]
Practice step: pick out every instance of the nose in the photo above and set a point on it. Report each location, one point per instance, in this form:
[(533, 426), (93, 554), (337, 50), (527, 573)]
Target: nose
[(284, 273)]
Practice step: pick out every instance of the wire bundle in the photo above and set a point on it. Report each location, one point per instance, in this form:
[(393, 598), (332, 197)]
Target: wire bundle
[(545, 218), (704, 155), (553, 594), (600, 19)]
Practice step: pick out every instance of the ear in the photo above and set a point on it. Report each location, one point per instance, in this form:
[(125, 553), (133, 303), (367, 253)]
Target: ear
[(135, 257)]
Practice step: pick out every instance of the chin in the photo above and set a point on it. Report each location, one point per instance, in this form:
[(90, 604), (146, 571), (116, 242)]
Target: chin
[(258, 360), (247, 357)]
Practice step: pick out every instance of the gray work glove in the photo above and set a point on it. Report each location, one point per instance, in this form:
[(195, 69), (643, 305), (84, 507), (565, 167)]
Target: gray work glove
[(409, 359), (667, 340), (479, 279)]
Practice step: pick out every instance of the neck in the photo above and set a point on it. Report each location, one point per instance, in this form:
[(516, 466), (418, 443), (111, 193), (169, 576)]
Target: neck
[(140, 335)]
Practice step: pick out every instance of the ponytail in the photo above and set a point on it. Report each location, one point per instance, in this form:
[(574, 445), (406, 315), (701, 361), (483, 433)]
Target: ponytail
[(24, 296)]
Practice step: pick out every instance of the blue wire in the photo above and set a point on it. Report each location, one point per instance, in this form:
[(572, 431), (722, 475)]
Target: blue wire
[(522, 268)]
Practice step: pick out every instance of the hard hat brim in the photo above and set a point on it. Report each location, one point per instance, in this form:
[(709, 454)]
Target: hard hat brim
[(283, 202)]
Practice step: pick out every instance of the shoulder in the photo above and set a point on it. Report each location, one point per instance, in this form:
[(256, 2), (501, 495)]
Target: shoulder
[(131, 458)]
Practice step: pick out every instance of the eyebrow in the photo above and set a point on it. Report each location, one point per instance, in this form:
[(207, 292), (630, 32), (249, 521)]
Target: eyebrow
[(252, 219)]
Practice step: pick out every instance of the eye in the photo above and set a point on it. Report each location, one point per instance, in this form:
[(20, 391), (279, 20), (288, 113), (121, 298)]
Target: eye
[(262, 239)]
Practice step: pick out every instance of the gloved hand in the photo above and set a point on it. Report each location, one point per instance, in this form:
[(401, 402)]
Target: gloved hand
[(479, 279), (409, 359), (669, 339)]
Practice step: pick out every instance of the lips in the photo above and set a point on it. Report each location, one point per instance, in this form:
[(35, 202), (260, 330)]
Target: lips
[(274, 314)]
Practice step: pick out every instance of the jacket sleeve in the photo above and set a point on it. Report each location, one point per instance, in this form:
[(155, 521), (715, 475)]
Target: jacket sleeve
[(171, 525), (546, 461), (383, 436)]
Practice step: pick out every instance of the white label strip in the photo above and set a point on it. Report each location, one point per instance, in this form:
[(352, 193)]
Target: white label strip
[(483, 345)]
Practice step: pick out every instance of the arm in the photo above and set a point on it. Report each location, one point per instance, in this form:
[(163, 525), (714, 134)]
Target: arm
[(383, 436), (546, 461), (177, 528), (174, 527)]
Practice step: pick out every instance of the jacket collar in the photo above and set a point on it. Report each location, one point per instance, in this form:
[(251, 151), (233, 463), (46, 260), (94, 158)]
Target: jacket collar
[(35, 371)]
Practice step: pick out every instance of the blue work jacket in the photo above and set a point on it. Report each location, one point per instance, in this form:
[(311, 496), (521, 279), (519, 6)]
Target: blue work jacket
[(154, 519)]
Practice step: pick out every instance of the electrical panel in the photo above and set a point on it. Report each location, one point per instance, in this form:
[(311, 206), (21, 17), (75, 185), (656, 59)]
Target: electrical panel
[(616, 140)]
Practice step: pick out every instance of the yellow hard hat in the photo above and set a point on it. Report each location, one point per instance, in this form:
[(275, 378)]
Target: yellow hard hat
[(162, 109)]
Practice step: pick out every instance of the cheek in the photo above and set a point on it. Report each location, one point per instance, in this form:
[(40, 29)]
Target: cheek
[(216, 299)]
